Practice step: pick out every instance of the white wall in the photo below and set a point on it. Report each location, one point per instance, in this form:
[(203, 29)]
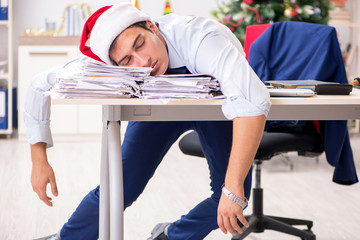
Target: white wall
[(32, 13)]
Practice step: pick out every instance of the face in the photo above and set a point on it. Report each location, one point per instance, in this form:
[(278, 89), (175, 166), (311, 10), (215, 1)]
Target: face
[(138, 47)]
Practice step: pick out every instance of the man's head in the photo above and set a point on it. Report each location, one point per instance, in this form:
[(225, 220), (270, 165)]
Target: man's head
[(124, 36), (140, 45)]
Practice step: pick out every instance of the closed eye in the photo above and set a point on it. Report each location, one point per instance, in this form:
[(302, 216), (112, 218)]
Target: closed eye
[(140, 44), (127, 61)]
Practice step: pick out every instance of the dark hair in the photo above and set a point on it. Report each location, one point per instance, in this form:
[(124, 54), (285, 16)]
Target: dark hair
[(141, 24)]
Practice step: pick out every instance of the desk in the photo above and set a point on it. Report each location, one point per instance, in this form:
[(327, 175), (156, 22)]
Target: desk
[(324, 107)]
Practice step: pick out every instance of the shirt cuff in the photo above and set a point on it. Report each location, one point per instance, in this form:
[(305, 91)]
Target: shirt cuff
[(237, 106), (38, 131)]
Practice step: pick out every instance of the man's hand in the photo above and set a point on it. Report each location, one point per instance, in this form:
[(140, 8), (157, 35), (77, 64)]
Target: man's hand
[(247, 132), (228, 213), (42, 173)]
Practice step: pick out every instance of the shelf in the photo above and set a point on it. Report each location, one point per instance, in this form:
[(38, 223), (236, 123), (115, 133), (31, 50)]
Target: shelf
[(6, 73), (49, 40), (4, 76), (342, 23), (4, 22), (5, 131)]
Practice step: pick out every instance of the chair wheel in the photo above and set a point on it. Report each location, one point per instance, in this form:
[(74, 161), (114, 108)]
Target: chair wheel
[(313, 237)]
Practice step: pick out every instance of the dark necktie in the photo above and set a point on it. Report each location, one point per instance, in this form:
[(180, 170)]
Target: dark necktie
[(180, 70)]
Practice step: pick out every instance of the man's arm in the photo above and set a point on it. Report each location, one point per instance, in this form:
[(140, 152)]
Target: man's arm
[(247, 133), (42, 173), (247, 102), (37, 120)]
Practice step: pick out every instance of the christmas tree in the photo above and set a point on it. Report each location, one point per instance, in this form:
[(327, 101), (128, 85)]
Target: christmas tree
[(238, 14)]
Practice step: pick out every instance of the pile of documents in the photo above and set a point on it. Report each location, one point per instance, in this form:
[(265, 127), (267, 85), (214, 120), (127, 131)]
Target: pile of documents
[(85, 78), (184, 86)]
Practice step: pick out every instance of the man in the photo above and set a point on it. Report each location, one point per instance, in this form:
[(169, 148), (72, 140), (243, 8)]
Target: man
[(124, 36)]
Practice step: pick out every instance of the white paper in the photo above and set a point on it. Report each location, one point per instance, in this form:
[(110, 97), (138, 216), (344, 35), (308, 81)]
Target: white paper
[(91, 78), (2, 104)]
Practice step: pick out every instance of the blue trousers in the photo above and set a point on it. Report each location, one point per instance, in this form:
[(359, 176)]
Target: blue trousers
[(143, 148)]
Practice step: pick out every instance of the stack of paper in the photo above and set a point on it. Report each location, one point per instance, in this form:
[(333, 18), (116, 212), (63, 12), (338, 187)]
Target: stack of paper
[(181, 86), (89, 78), (86, 78)]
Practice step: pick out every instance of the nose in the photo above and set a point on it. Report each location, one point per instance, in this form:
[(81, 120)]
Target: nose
[(142, 60)]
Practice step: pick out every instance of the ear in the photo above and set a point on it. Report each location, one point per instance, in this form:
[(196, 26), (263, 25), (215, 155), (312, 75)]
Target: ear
[(152, 26)]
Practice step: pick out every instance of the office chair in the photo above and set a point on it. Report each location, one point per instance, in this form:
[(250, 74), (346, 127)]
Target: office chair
[(272, 143), (270, 62)]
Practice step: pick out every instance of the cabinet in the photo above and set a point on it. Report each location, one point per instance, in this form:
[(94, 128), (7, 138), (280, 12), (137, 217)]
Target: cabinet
[(37, 54), (6, 71), (345, 17)]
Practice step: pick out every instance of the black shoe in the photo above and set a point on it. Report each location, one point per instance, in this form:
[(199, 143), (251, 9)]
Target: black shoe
[(158, 233), (51, 237)]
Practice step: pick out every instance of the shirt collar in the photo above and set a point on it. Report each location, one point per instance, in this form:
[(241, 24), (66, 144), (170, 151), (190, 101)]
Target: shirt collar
[(174, 58)]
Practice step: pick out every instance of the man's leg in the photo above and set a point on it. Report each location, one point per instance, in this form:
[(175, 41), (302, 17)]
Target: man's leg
[(84, 222), (216, 140), (144, 146)]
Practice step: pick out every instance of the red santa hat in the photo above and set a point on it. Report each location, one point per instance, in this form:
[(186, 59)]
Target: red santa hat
[(102, 27)]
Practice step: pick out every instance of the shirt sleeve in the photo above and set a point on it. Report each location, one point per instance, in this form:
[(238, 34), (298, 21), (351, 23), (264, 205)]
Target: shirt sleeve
[(245, 94), (37, 107)]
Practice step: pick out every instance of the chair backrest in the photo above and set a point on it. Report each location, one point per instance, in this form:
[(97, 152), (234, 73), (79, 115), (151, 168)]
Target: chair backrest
[(251, 34), (298, 50)]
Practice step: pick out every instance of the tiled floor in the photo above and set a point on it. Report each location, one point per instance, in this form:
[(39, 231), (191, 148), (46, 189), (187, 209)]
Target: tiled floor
[(179, 184)]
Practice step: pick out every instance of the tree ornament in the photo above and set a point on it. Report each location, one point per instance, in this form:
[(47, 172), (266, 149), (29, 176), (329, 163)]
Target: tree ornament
[(294, 11), (317, 11), (248, 1), (288, 10), (167, 7)]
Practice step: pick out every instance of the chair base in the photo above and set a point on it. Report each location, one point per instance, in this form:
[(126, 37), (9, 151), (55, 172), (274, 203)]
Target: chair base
[(259, 222)]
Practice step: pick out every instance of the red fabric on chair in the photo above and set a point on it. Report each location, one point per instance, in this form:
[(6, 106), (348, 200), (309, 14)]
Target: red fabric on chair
[(251, 34)]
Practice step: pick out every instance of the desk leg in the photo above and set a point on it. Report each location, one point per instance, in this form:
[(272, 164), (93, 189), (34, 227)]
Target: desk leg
[(115, 180), (104, 215), (111, 177)]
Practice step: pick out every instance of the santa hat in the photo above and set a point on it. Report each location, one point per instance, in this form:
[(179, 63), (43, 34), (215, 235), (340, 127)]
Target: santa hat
[(102, 27)]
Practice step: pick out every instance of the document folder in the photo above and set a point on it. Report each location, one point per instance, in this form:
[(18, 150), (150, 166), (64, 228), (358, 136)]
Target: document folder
[(4, 10), (3, 109), (297, 83), (320, 87), (289, 92)]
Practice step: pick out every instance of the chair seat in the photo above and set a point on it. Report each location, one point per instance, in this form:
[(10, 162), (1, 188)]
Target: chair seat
[(190, 145), (272, 144)]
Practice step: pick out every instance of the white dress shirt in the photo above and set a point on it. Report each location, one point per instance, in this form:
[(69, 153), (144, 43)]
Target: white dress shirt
[(200, 44)]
